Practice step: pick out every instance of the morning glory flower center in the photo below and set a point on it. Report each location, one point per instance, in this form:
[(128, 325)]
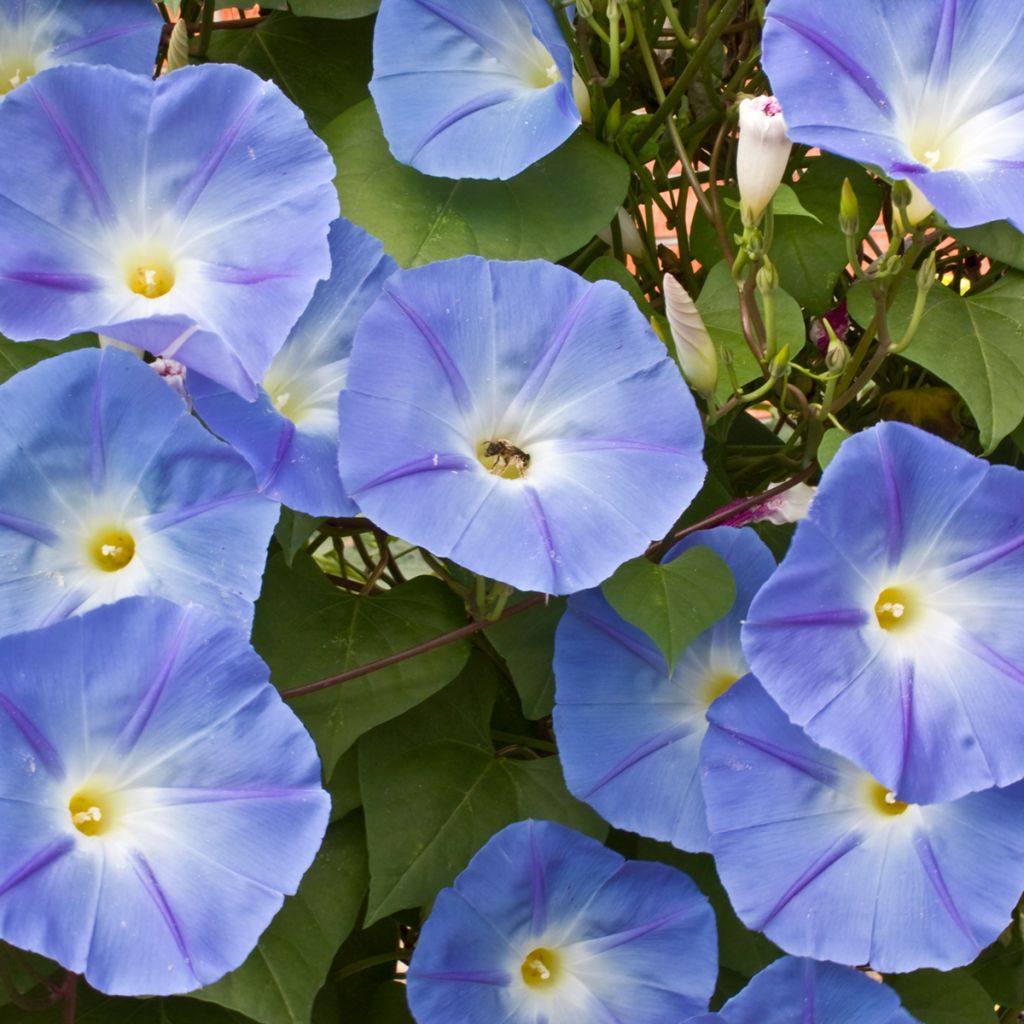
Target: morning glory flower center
[(541, 967), (15, 68), (111, 548), (896, 608), (149, 272), (93, 809), (503, 458), (540, 69), (883, 800), (716, 683)]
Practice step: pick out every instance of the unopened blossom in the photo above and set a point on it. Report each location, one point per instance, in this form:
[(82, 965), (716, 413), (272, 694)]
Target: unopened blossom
[(790, 506), (761, 155), (694, 348)]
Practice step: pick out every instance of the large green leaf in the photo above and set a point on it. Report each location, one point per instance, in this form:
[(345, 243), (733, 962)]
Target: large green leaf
[(325, 8), (434, 792), (306, 629), (975, 344), (527, 643), (547, 212), (998, 239), (279, 981), (675, 602), (719, 307), (322, 65), (938, 997)]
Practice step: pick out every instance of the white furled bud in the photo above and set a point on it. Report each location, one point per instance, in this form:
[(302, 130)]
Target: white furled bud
[(581, 96), (632, 242), (761, 156), (694, 348)]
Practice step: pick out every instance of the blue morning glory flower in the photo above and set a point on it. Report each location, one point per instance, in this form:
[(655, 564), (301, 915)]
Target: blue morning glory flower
[(829, 863), (517, 419), (893, 630), (472, 88), (199, 237), (794, 990), (629, 730), (548, 925), (931, 91), (37, 34), (109, 488), (289, 434), (158, 797)]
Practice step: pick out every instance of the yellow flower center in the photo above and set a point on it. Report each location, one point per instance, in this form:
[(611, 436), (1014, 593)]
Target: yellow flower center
[(15, 68), (503, 458), (111, 548), (896, 608), (152, 280), (541, 967), (93, 809), (715, 684), (883, 800)]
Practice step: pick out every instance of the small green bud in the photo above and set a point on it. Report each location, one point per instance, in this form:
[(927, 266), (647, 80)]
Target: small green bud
[(613, 121), (849, 210), (780, 364), (767, 277), (926, 273), (837, 355)]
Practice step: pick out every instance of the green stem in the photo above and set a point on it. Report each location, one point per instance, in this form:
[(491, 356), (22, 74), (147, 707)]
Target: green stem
[(524, 741), (367, 962)]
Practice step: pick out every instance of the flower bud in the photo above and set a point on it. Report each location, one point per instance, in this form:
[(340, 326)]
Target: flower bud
[(632, 241), (581, 96), (790, 506), (694, 348), (849, 210), (918, 205), (762, 155), (837, 355), (767, 277)]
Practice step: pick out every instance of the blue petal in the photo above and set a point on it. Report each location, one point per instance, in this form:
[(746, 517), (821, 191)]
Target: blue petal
[(629, 732), (472, 88), (932, 710), (933, 92), (637, 940), (235, 209), (799, 991), (803, 840), (94, 440), (123, 33), (295, 457), (457, 354), (174, 712)]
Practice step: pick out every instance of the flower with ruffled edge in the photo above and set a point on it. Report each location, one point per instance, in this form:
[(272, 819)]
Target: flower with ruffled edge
[(289, 435), (158, 798), (629, 731), (829, 863), (109, 488), (931, 91), (186, 216), (472, 88), (893, 630), (38, 34), (517, 419), (547, 924), (794, 990)]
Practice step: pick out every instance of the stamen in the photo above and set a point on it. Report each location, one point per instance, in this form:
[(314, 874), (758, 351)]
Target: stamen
[(541, 967)]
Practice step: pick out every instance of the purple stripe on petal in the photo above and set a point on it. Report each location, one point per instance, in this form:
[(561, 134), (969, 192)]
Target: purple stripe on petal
[(907, 167), (906, 677), (815, 769), (651, 746), (539, 888), (63, 282), (467, 109), (164, 520), (607, 942), (45, 751), (175, 796), (284, 445), (645, 653), (925, 853), (539, 517), (36, 863), (983, 559), (809, 969), (97, 447), (500, 978), (893, 504), (426, 465), (28, 527), (942, 52), (102, 36), (460, 390), (90, 179), (837, 851), (839, 617), (973, 644), (843, 59), (542, 368), (243, 275), (136, 725), (616, 443), (467, 28), (156, 894)]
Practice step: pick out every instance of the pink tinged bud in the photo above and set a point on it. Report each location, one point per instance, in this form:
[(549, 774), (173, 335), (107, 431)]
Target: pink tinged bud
[(694, 347), (172, 372), (788, 507), (761, 156)]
